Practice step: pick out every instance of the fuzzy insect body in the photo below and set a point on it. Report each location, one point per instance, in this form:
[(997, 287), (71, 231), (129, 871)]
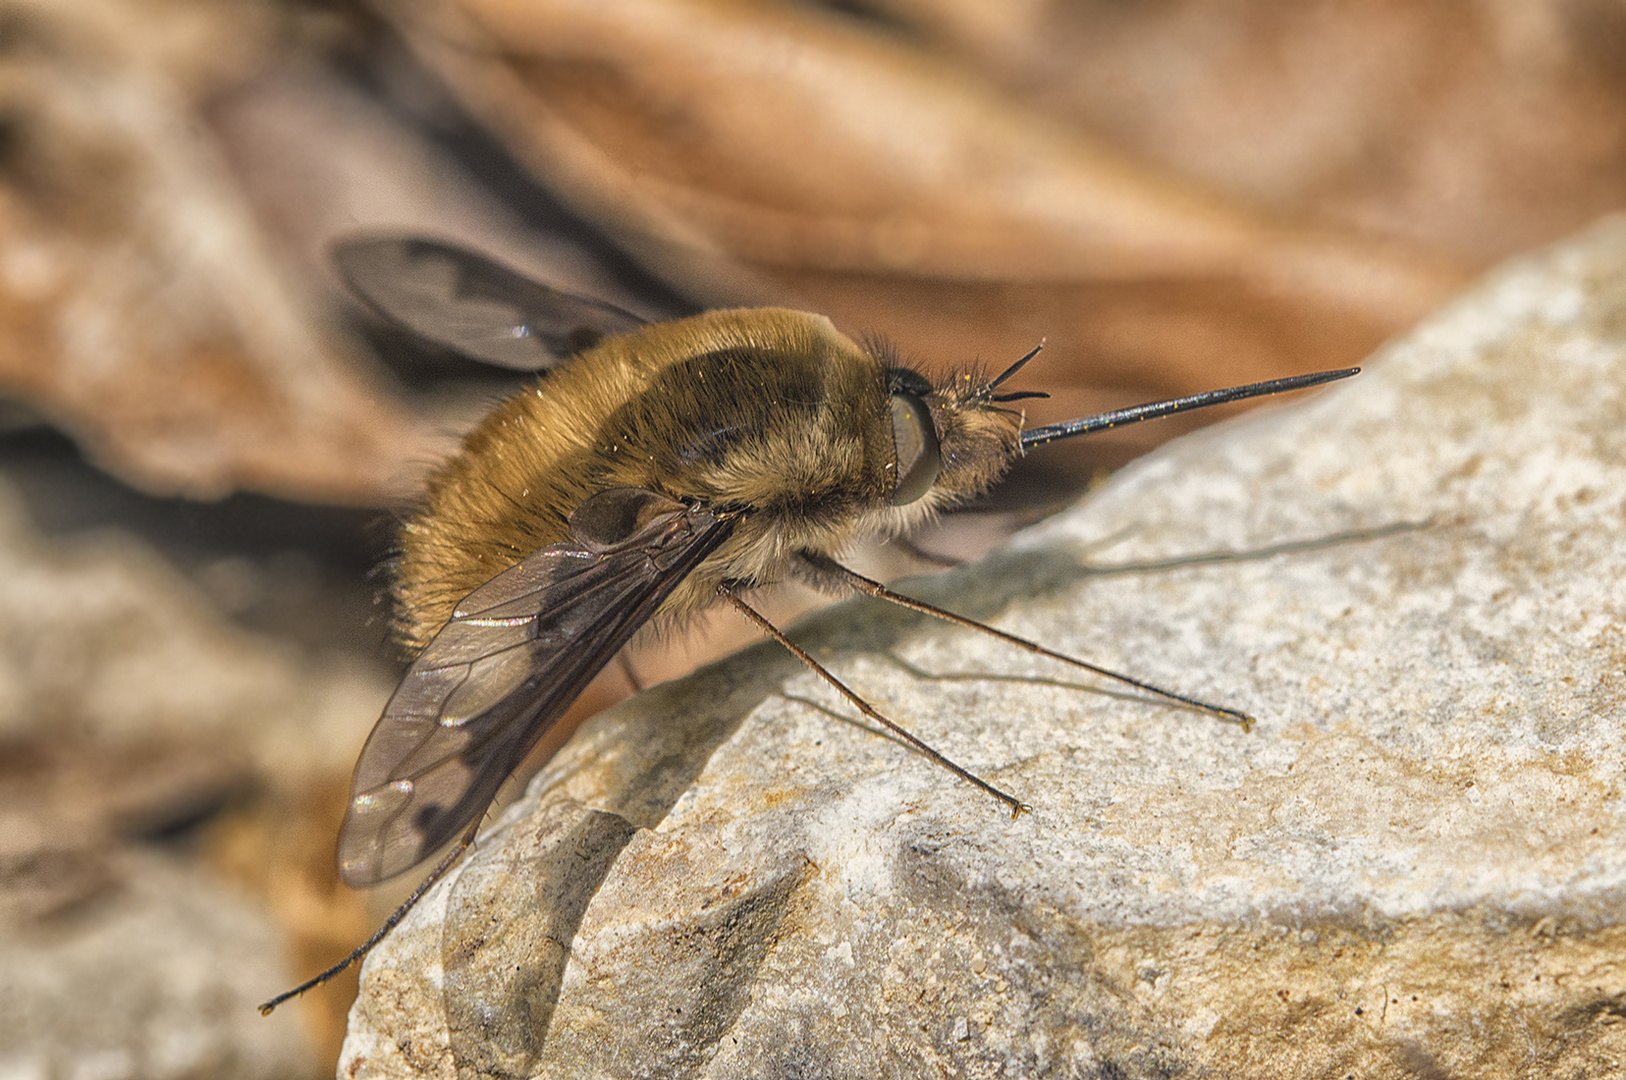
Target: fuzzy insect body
[(770, 414)]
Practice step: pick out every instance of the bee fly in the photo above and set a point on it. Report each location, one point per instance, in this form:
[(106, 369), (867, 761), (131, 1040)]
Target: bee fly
[(658, 469)]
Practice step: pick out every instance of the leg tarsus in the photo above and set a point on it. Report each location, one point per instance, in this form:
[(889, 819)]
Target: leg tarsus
[(389, 924), (830, 569), (1018, 807)]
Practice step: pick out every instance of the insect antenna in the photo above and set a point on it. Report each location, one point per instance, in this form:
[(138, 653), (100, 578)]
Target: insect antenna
[(1018, 807), (389, 924), (1154, 409), (1018, 366), (881, 592)]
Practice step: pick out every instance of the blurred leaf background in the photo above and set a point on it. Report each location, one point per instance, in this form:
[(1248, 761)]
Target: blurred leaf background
[(203, 440)]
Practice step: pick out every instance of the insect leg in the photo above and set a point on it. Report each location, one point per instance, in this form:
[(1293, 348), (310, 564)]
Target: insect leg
[(389, 924), (627, 670), (915, 551), (1018, 807), (831, 568)]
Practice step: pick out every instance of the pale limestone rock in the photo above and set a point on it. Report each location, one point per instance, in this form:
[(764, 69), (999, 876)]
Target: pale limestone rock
[(1414, 865)]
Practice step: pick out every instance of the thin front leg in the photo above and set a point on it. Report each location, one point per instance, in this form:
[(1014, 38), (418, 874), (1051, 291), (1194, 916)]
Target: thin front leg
[(1018, 807), (915, 551), (829, 568), (633, 680)]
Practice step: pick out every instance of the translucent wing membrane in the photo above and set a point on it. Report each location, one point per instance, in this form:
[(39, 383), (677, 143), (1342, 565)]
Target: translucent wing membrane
[(515, 654), (474, 305)]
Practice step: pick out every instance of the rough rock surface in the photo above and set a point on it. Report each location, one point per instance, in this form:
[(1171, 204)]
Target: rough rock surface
[(1412, 867)]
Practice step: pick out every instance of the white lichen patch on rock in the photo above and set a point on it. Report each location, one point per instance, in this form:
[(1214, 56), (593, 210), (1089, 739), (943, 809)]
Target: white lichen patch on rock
[(1413, 866)]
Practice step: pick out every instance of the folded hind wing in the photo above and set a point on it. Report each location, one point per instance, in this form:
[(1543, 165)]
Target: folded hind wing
[(474, 305)]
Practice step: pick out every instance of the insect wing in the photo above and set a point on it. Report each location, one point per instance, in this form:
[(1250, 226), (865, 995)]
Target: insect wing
[(474, 305), (515, 654)]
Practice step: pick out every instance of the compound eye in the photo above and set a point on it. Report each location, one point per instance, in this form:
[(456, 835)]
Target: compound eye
[(914, 436)]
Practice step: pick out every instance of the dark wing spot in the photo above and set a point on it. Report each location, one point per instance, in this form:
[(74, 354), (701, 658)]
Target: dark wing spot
[(426, 817)]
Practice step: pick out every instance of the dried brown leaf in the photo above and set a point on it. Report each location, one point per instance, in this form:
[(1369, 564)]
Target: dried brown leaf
[(140, 308)]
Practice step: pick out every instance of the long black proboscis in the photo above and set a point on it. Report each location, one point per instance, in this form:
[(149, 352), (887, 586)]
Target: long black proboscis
[(1152, 410)]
